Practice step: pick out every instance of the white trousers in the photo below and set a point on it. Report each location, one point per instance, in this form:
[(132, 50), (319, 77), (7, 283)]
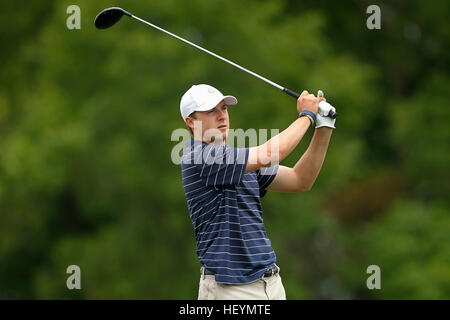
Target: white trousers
[(270, 288)]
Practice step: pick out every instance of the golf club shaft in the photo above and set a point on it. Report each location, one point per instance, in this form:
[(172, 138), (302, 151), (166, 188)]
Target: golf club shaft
[(292, 93), (332, 114)]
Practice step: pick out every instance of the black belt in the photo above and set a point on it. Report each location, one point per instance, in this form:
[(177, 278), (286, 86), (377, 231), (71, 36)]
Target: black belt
[(273, 269)]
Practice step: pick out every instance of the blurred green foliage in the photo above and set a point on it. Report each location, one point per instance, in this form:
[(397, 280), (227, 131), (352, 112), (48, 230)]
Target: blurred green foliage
[(86, 118)]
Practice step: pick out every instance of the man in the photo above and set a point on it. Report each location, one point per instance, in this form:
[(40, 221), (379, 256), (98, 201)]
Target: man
[(223, 187)]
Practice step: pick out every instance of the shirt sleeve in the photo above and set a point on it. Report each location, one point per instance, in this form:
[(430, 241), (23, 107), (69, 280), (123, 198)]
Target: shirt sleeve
[(265, 177), (221, 165)]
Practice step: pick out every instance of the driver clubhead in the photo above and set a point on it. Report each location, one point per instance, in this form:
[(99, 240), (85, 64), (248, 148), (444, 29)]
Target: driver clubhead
[(109, 17)]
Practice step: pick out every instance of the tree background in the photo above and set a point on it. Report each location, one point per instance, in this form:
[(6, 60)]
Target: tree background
[(86, 118)]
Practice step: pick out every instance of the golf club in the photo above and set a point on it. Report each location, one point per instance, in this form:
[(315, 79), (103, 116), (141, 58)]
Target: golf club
[(108, 17)]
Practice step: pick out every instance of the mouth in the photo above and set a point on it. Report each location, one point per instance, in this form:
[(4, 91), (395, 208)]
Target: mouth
[(224, 126)]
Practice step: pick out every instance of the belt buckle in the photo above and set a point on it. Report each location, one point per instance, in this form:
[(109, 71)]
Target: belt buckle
[(272, 272)]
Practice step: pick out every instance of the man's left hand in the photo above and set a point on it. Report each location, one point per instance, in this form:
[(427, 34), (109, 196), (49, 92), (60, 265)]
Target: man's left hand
[(322, 119)]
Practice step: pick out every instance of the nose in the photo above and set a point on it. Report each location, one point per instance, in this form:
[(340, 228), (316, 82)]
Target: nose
[(222, 113)]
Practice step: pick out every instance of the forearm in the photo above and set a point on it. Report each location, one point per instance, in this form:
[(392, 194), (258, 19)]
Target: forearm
[(278, 147), (308, 167), (285, 142)]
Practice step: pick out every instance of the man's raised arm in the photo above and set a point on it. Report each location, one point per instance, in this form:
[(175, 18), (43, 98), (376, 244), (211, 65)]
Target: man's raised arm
[(280, 146), (305, 172)]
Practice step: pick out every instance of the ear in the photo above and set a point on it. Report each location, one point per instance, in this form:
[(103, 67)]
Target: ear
[(190, 123)]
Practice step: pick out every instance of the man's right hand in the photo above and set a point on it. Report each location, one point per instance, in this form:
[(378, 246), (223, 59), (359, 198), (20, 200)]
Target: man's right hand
[(308, 101)]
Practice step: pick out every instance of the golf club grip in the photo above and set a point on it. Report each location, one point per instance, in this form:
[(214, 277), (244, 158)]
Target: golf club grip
[(332, 114), (291, 93)]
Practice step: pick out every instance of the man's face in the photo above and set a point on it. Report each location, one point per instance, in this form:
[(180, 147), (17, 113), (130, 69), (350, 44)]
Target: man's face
[(213, 122)]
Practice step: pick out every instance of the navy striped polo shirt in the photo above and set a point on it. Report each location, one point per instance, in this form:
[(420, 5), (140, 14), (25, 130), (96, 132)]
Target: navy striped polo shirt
[(224, 205)]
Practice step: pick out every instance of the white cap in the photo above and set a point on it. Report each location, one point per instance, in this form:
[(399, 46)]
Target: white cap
[(202, 97)]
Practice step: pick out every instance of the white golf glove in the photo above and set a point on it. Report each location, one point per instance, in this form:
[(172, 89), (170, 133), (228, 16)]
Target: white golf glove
[(321, 118)]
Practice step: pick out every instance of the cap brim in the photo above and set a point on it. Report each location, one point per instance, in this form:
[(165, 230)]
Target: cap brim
[(229, 100)]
